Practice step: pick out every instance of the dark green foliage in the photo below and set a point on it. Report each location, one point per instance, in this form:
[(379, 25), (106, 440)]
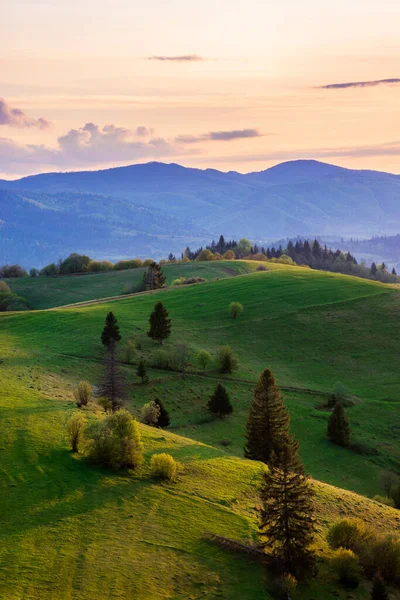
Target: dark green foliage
[(227, 361), (379, 591), (219, 403), (112, 381), (164, 418), (338, 426), (286, 517), (160, 323), (267, 428), (110, 333), (10, 301), (75, 263), (141, 371), (153, 278), (50, 270), (12, 271)]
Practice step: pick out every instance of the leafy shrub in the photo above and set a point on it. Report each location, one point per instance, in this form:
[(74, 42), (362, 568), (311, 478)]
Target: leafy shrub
[(129, 354), (10, 301), (283, 587), (161, 359), (163, 466), (50, 270), (283, 260), (227, 362), (382, 556), (4, 289), (148, 262), (235, 309), (262, 268), (150, 413), (12, 271), (83, 393), (74, 263), (384, 500), (114, 441), (205, 255), (179, 281), (75, 428), (349, 534), (347, 567), (203, 358), (105, 404), (100, 266), (229, 255), (133, 263)]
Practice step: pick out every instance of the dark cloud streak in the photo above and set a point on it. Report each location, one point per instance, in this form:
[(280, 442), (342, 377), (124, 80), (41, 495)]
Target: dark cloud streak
[(359, 84), (219, 136), (182, 58)]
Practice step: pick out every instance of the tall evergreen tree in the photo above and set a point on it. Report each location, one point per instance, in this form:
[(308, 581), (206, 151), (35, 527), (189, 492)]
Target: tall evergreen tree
[(141, 371), (394, 271), (154, 278), (219, 403), (112, 381), (163, 418), (379, 591), (110, 334), (267, 428), (338, 426), (373, 269), (286, 516), (160, 323)]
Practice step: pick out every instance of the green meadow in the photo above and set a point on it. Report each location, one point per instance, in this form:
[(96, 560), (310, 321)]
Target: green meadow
[(72, 531)]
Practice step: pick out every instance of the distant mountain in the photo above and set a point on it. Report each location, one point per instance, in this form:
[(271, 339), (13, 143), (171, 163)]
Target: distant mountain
[(159, 200)]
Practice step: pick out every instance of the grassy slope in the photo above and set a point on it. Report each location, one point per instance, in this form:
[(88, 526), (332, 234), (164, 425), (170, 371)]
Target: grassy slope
[(71, 531), (47, 292)]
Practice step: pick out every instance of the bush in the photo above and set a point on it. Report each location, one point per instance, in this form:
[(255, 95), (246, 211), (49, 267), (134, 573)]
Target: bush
[(75, 263), (163, 466), (283, 587), (227, 362), (76, 427), (179, 281), (384, 500), (262, 268), (12, 271), (349, 534), (161, 359), (383, 556), (105, 404), (100, 266), (114, 441), (229, 255), (133, 263), (4, 289), (346, 565), (205, 255), (83, 393), (203, 358), (150, 413), (129, 354), (10, 301), (235, 309), (148, 262), (191, 280)]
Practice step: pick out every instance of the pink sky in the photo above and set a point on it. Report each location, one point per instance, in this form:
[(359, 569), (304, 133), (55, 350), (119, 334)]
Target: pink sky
[(231, 85)]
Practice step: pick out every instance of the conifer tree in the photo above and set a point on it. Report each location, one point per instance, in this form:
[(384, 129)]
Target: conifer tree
[(394, 271), (219, 403), (112, 381), (379, 591), (110, 334), (154, 278), (338, 426), (267, 428), (160, 323), (141, 371), (373, 269), (163, 419), (286, 516)]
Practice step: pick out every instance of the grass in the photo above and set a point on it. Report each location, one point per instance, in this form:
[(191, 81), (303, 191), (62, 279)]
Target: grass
[(48, 292), (70, 531)]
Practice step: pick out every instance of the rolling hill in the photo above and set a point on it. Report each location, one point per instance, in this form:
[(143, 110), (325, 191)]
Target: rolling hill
[(120, 211), (72, 531)]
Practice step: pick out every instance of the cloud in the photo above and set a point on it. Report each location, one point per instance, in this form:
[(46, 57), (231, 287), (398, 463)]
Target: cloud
[(182, 58), (359, 84), (15, 117), (88, 146), (219, 136)]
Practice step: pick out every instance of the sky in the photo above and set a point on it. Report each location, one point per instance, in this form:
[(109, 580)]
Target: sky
[(232, 85)]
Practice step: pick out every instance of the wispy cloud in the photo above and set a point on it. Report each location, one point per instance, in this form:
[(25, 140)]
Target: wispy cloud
[(359, 84), (15, 117), (218, 136), (181, 58)]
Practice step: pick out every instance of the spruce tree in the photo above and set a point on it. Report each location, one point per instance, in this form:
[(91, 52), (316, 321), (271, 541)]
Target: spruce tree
[(379, 591), (141, 371), (112, 381), (110, 334), (154, 278), (267, 428), (286, 516), (160, 323), (373, 269), (219, 403), (338, 426), (163, 419)]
